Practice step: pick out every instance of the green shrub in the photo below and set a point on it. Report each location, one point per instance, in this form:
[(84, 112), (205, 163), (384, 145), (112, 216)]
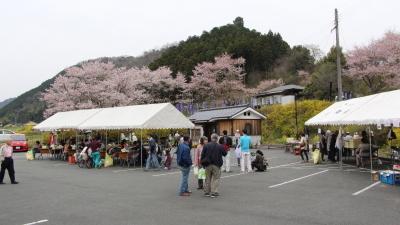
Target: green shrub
[(281, 122)]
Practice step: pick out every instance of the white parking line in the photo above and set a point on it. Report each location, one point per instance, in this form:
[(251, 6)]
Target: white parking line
[(117, 171), (274, 167), (164, 174), (364, 189), (232, 175), (300, 178), (37, 222)]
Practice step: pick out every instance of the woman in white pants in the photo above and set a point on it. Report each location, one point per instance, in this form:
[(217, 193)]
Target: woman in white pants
[(245, 161)]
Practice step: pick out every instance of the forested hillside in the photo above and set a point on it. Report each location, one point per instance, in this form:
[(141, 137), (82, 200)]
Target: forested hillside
[(261, 51)]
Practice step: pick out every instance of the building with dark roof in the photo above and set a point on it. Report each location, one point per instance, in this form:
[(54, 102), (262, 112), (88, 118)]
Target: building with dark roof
[(279, 95), (230, 118)]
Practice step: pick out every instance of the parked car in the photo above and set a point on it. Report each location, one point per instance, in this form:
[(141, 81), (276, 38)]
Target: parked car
[(19, 143)]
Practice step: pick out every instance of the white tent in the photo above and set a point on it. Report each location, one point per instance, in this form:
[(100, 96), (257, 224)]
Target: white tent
[(66, 120), (378, 109), (152, 116)]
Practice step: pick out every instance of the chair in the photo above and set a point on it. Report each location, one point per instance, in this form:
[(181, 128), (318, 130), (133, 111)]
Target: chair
[(123, 159), (44, 151)]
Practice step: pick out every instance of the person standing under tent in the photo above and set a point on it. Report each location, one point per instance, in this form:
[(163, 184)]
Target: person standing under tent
[(95, 147), (211, 159), (226, 141), (7, 162), (332, 147), (322, 145), (245, 143), (184, 161)]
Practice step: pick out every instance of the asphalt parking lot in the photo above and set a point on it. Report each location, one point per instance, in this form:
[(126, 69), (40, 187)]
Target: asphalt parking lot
[(291, 192)]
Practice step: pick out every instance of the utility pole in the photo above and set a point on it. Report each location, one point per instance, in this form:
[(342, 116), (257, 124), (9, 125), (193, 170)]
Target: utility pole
[(339, 67)]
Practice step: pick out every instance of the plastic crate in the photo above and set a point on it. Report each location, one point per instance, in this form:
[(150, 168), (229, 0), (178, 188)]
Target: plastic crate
[(390, 178)]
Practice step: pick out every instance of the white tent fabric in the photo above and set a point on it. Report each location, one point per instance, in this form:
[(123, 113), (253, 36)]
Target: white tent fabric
[(66, 120), (152, 116), (378, 109)]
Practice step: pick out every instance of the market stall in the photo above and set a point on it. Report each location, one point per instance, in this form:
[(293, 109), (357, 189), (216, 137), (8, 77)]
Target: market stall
[(141, 117), (381, 109)]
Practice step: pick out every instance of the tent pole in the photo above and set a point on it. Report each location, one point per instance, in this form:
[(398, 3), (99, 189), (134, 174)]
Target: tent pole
[(341, 147), (141, 148), (106, 140), (370, 148)]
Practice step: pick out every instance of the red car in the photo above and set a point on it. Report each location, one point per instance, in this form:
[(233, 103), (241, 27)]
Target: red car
[(19, 143)]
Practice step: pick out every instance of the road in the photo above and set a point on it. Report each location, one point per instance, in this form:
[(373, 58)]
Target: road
[(291, 192)]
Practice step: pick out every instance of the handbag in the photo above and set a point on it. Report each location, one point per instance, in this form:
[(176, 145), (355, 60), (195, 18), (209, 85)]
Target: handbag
[(195, 170)]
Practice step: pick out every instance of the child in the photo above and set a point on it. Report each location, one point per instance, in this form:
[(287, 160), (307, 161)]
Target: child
[(238, 154), (201, 178), (168, 159)]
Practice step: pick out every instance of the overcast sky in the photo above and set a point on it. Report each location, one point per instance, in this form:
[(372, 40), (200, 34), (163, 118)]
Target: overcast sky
[(40, 38)]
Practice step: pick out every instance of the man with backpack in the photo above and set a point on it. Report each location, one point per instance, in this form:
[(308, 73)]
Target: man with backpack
[(226, 142)]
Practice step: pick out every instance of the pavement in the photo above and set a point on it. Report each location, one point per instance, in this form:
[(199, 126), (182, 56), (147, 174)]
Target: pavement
[(290, 192)]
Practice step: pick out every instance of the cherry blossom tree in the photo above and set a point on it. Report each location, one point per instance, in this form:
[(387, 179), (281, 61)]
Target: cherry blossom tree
[(96, 84), (377, 64), (221, 80)]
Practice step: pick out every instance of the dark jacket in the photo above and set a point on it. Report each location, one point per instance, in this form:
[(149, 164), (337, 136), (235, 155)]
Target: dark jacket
[(213, 152), (183, 155)]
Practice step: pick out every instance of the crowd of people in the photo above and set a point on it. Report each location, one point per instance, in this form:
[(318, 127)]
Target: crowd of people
[(210, 157), (213, 157), (331, 143)]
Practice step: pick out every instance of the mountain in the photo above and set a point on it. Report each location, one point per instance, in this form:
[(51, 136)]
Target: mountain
[(263, 54), (5, 102), (261, 51), (28, 107)]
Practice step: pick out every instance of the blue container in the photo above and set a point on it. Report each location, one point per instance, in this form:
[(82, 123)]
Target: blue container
[(390, 178), (387, 178)]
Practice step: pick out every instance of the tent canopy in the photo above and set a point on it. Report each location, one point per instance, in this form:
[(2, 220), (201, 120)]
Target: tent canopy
[(152, 116), (377, 109), (66, 120)]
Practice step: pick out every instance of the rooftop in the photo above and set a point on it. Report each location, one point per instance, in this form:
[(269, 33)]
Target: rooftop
[(227, 112), (282, 89)]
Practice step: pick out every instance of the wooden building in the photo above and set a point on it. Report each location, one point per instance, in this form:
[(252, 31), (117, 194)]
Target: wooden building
[(229, 118)]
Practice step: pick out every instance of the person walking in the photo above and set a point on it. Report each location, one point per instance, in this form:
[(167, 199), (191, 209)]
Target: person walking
[(211, 159), (7, 162), (184, 162), (245, 160), (226, 142)]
